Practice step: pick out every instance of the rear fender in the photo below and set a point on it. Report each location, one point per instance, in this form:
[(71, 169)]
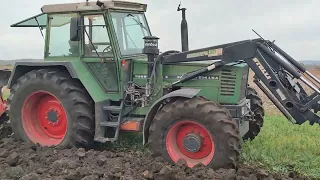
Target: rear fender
[(186, 93), (21, 68), (76, 69)]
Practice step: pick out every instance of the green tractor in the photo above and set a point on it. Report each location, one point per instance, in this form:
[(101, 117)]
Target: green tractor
[(103, 74)]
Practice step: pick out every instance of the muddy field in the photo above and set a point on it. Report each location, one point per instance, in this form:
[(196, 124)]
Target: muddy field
[(30, 162)]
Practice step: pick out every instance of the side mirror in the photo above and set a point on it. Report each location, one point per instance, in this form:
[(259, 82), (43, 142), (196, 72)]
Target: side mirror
[(75, 29)]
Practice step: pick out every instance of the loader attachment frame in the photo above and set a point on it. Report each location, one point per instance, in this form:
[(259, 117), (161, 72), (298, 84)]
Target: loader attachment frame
[(274, 70)]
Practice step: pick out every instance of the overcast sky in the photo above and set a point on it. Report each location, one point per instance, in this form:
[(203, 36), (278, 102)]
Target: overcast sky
[(293, 24)]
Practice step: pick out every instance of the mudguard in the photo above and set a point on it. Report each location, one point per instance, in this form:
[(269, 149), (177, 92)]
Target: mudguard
[(186, 93), (21, 68), (77, 70)]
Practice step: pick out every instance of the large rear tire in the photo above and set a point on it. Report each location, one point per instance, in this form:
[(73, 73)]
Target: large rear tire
[(257, 108), (196, 130), (50, 108)]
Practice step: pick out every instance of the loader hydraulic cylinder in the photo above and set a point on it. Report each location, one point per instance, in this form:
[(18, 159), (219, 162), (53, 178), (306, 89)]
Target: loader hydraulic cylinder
[(294, 62), (289, 58), (286, 66)]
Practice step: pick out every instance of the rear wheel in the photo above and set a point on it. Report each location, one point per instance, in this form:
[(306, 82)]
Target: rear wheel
[(257, 108), (196, 130), (50, 108)]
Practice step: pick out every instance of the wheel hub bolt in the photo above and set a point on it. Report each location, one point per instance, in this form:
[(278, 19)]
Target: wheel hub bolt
[(192, 142), (52, 116)]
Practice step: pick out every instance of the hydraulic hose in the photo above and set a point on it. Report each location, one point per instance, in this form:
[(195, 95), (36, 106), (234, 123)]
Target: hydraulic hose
[(153, 74)]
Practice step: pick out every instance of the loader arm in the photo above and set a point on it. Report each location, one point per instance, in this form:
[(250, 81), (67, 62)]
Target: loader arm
[(274, 70)]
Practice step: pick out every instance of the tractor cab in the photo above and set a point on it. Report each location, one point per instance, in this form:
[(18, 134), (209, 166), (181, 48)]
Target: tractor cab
[(103, 30)]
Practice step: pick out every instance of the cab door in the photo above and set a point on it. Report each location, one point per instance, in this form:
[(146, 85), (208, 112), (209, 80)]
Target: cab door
[(98, 52)]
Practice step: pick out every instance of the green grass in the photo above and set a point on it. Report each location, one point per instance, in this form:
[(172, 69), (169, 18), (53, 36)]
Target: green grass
[(127, 141), (283, 147)]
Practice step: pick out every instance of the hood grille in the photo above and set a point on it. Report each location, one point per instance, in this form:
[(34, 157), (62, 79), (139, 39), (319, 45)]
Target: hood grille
[(228, 82)]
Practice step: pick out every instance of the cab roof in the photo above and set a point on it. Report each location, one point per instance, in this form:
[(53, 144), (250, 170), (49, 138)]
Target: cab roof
[(92, 6), (40, 20)]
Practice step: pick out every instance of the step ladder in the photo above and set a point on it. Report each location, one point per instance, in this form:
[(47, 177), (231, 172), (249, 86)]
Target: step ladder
[(109, 128)]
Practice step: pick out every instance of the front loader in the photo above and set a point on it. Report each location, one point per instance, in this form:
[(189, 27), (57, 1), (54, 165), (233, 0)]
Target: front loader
[(103, 74)]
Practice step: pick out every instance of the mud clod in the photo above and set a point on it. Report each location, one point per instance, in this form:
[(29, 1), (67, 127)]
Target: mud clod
[(13, 172), (73, 175), (13, 159), (31, 176), (81, 153), (41, 170), (4, 153), (262, 174), (182, 164), (91, 177), (147, 174), (101, 160)]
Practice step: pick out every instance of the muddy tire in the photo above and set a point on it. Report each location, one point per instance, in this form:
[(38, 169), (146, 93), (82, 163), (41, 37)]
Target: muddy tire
[(50, 108), (257, 108), (196, 130)]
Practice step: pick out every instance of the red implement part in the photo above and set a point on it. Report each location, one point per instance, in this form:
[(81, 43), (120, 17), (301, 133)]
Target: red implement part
[(4, 77), (44, 119), (131, 126), (177, 143), (3, 106)]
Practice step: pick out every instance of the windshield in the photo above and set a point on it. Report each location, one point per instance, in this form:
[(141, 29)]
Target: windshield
[(130, 28)]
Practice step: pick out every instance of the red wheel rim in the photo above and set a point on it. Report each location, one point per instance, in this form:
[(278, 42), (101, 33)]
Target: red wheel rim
[(184, 133), (44, 119)]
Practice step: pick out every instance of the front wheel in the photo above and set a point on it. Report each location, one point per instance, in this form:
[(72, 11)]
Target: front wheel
[(196, 130), (50, 108)]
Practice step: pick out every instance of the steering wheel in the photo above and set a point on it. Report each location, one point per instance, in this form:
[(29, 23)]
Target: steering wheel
[(102, 43), (108, 47)]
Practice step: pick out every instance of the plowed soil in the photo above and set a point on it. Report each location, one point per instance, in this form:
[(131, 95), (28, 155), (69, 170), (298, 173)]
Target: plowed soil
[(30, 162)]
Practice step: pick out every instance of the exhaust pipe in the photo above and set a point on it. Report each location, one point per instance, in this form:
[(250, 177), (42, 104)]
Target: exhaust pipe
[(184, 30)]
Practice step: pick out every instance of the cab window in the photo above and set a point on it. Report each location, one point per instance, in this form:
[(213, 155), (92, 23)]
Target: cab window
[(130, 29), (59, 40), (96, 38)]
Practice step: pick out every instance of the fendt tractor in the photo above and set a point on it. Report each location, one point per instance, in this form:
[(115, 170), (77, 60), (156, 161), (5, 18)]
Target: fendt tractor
[(103, 74)]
